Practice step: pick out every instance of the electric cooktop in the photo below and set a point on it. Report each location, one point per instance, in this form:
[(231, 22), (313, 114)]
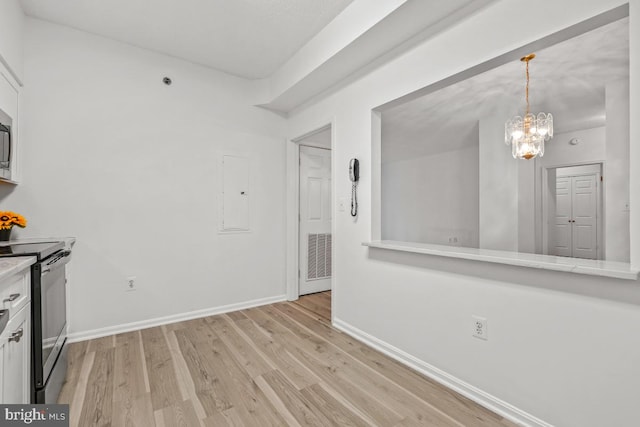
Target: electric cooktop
[(39, 250)]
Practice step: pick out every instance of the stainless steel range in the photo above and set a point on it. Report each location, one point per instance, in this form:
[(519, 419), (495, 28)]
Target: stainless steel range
[(48, 316)]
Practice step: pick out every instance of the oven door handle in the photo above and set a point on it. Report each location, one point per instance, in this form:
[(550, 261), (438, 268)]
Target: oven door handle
[(62, 260)]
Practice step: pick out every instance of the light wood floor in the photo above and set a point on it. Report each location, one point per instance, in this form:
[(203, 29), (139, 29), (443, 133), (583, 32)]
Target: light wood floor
[(276, 365)]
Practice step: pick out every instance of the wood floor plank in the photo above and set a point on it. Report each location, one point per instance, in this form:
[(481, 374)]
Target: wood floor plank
[(77, 403), (445, 400), (246, 354), (277, 403), (462, 408), (302, 408), (276, 354), (136, 412), (276, 365), (233, 386), (350, 369), (129, 373), (335, 410), (316, 304), (217, 420), (214, 394), (185, 381), (98, 399), (103, 343), (75, 357), (327, 332), (180, 414), (165, 390), (236, 315), (381, 413)]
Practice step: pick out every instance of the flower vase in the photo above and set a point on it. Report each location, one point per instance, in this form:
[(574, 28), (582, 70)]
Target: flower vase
[(5, 234)]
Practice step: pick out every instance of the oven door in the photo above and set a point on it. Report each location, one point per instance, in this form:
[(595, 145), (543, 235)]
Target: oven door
[(49, 314)]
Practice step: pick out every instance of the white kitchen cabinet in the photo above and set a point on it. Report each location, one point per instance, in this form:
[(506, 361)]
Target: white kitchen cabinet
[(14, 358), (15, 338), (9, 105)]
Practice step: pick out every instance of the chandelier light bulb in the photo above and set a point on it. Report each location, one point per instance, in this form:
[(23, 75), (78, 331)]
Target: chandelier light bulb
[(527, 134)]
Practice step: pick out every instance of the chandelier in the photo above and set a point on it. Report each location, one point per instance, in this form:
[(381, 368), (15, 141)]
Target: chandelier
[(527, 135)]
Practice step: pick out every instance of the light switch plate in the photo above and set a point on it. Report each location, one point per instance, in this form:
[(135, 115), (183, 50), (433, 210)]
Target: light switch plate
[(342, 204)]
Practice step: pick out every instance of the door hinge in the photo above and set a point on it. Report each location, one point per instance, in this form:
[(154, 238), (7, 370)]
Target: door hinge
[(298, 273), (600, 178)]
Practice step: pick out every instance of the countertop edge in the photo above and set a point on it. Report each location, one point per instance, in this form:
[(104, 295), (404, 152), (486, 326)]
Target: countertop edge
[(615, 270), (13, 265)]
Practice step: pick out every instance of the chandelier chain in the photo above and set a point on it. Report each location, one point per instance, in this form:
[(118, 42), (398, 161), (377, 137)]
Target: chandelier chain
[(527, 87)]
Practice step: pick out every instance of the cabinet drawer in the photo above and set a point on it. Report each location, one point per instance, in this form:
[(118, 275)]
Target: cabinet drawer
[(15, 356), (15, 292)]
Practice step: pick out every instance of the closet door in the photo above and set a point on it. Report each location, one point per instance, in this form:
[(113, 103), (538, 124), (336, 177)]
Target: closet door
[(562, 227), (576, 220), (584, 221)]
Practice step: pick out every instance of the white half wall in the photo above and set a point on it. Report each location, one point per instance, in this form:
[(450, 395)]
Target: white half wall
[(539, 357), (129, 166)]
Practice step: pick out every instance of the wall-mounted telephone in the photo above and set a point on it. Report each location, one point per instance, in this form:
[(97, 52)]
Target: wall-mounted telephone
[(354, 176), (5, 146)]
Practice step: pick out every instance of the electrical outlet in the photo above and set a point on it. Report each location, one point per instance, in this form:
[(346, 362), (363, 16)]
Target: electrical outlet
[(480, 328), (131, 284)]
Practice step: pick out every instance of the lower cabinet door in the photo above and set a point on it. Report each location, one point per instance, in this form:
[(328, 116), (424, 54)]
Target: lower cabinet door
[(15, 359)]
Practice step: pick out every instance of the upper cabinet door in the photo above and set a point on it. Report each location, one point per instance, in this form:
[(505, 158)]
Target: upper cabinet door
[(9, 99)]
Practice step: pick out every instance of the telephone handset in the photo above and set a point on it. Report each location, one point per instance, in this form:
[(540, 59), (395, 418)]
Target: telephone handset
[(354, 176), (354, 170)]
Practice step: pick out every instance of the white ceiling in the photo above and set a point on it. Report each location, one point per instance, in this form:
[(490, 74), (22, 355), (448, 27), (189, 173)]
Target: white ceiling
[(567, 79), (247, 38)]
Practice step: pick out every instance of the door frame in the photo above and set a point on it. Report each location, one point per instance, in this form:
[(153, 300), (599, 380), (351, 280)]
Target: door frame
[(293, 209), (600, 194)]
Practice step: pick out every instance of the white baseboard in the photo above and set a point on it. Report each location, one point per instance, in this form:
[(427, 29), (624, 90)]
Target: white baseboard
[(479, 396), (158, 321)]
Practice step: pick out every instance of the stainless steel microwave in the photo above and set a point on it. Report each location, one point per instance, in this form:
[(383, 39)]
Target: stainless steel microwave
[(6, 145)]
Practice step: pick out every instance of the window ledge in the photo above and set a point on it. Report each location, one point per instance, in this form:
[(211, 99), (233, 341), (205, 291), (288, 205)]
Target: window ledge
[(618, 270)]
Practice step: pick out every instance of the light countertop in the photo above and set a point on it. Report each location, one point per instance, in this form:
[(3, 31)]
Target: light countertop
[(68, 241), (618, 270), (12, 265)]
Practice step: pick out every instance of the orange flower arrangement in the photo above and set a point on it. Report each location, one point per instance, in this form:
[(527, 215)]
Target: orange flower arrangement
[(8, 219)]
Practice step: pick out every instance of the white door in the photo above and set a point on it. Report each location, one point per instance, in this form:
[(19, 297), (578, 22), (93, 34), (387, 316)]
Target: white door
[(575, 227), (585, 208), (561, 231), (315, 220)]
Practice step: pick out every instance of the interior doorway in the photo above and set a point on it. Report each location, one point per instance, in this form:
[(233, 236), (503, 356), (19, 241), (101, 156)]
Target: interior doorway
[(315, 220), (575, 211), (314, 213)]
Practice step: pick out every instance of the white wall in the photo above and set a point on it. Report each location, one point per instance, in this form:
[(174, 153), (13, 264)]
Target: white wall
[(617, 173), (609, 145), (129, 166), (431, 199), (11, 35), (539, 358), (526, 206), (559, 152), (498, 182)]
